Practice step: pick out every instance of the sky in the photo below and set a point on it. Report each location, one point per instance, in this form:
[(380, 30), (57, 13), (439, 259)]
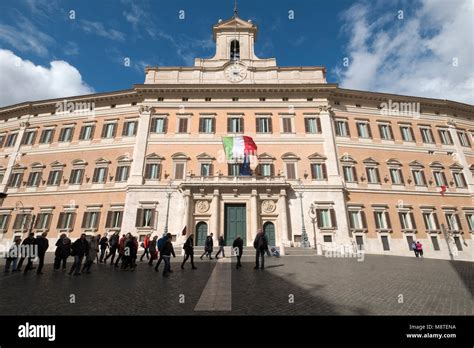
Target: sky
[(60, 48)]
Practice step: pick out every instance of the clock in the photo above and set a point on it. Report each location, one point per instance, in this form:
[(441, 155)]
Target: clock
[(235, 72)]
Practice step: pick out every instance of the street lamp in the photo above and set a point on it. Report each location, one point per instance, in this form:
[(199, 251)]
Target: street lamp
[(168, 195), (305, 242), (313, 214)]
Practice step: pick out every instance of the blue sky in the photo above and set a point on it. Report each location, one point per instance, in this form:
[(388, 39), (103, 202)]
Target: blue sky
[(85, 51)]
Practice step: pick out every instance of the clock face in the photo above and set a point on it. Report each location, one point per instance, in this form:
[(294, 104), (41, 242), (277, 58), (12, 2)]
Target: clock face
[(235, 73)]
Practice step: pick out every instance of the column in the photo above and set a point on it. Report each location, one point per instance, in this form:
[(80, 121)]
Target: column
[(188, 205), (330, 149), (139, 149), (14, 155), (215, 207), (254, 220), (283, 214)]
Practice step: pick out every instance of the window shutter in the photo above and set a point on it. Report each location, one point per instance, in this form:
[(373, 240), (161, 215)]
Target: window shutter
[(153, 125), (147, 170), (33, 139), (333, 218), (73, 220), (81, 175), (401, 176), (97, 221), (108, 220), (61, 220), (423, 177), (435, 218), (325, 171), (358, 128), (96, 174), (104, 128), (463, 180), (84, 220), (38, 219), (354, 172), (400, 216), (201, 126), (369, 130), (152, 220), (347, 129), (376, 221), (114, 130), (272, 169), (387, 216), (229, 123), (138, 222), (380, 131), (159, 172), (313, 171), (390, 131), (124, 129), (92, 131), (270, 125), (211, 169), (165, 124), (319, 215), (412, 133), (213, 125), (81, 133), (363, 218), (49, 217), (306, 125), (241, 128), (257, 125), (413, 223), (318, 125)]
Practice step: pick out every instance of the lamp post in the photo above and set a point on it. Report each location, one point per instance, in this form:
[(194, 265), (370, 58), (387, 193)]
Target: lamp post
[(305, 242), (313, 214), (168, 195)]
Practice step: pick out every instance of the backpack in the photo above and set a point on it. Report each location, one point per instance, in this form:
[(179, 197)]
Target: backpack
[(161, 243)]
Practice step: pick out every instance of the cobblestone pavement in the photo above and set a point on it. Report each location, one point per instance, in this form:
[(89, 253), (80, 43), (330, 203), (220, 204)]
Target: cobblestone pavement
[(304, 285)]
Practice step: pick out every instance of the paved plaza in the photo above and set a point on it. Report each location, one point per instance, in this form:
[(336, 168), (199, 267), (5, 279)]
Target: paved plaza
[(289, 285)]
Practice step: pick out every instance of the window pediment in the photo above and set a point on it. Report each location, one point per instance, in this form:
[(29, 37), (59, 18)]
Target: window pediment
[(179, 156), (154, 157), (347, 159), (415, 163), (205, 157), (290, 156), (57, 164), (394, 162), (456, 166), (370, 161), (436, 165), (317, 157)]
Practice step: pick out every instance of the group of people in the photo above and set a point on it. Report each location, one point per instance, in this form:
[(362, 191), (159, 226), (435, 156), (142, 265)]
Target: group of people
[(100, 248), (417, 247)]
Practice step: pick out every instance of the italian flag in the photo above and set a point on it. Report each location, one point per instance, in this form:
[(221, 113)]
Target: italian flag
[(237, 148)]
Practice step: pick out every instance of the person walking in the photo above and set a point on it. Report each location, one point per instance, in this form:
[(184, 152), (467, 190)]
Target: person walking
[(153, 250), (238, 247), (13, 256), (168, 250), (208, 247), (63, 250), (413, 247), (27, 247), (43, 245), (419, 248), (121, 248), (91, 255), (261, 245), (160, 244), (103, 245), (79, 249), (221, 247), (189, 251), (113, 243), (146, 245)]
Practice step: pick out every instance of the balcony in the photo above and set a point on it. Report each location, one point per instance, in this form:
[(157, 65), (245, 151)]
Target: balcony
[(221, 180)]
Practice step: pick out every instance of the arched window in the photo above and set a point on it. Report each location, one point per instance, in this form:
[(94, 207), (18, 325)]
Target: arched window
[(234, 50)]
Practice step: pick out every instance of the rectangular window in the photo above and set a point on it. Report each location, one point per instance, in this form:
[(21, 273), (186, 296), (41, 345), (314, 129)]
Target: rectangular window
[(47, 136), (445, 137), (182, 125), (312, 125), (54, 177), (91, 220), (434, 241), (22, 222), (287, 127), (159, 125), (65, 135), (431, 221), (108, 130), (459, 179), (15, 180), (385, 131), (342, 128), (66, 220), (360, 242), (145, 218), (2, 139), (318, 171), (470, 221), (327, 239), (419, 177), (130, 128), (152, 171), (28, 137), (407, 133), (4, 221), (114, 219), (234, 169), (457, 241), (427, 135), (266, 169), (373, 176), (206, 169), (382, 220), (326, 218), (453, 222), (410, 241), (206, 125), (235, 125), (440, 178), (34, 179), (385, 243), (11, 139), (349, 173), (122, 173), (264, 125), (396, 175), (87, 132), (76, 176), (363, 130), (463, 139), (407, 221), (100, 175), (43, 220), (290, 171), (355, 220), (179, 171)]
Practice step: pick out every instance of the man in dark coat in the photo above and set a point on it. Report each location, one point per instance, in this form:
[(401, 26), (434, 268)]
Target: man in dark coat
[(79, 249), (114, 242), (167, 251), (238, 247), (42, 243), (103, 244), (208, 247), (261, 246), (63, 250), (221, 247), (27, 247), (189, 251)]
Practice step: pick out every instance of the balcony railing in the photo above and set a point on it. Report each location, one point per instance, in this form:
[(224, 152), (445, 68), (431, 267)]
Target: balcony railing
[(221, 179)]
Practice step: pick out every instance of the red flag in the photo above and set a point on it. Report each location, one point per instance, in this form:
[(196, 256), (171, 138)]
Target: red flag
[(443, 190), (183, 232)]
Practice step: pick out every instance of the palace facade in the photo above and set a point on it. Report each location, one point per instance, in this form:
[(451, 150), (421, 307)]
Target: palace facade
[(352, 169)]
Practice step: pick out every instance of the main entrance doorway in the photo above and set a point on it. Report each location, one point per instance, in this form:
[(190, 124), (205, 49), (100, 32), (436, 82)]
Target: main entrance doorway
[(235, 223), (201, 234), (269, 229)]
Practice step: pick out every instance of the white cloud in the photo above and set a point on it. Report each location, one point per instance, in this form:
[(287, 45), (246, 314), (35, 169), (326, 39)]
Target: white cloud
[(22, 80), (414, 56), (99, 29)]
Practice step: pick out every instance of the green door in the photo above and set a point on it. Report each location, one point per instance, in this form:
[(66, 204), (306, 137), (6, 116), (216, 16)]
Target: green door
[(269, 229), (201, 233), (235, 223)]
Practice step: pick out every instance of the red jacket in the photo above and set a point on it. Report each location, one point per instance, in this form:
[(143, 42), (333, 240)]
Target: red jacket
[(146, 242)]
